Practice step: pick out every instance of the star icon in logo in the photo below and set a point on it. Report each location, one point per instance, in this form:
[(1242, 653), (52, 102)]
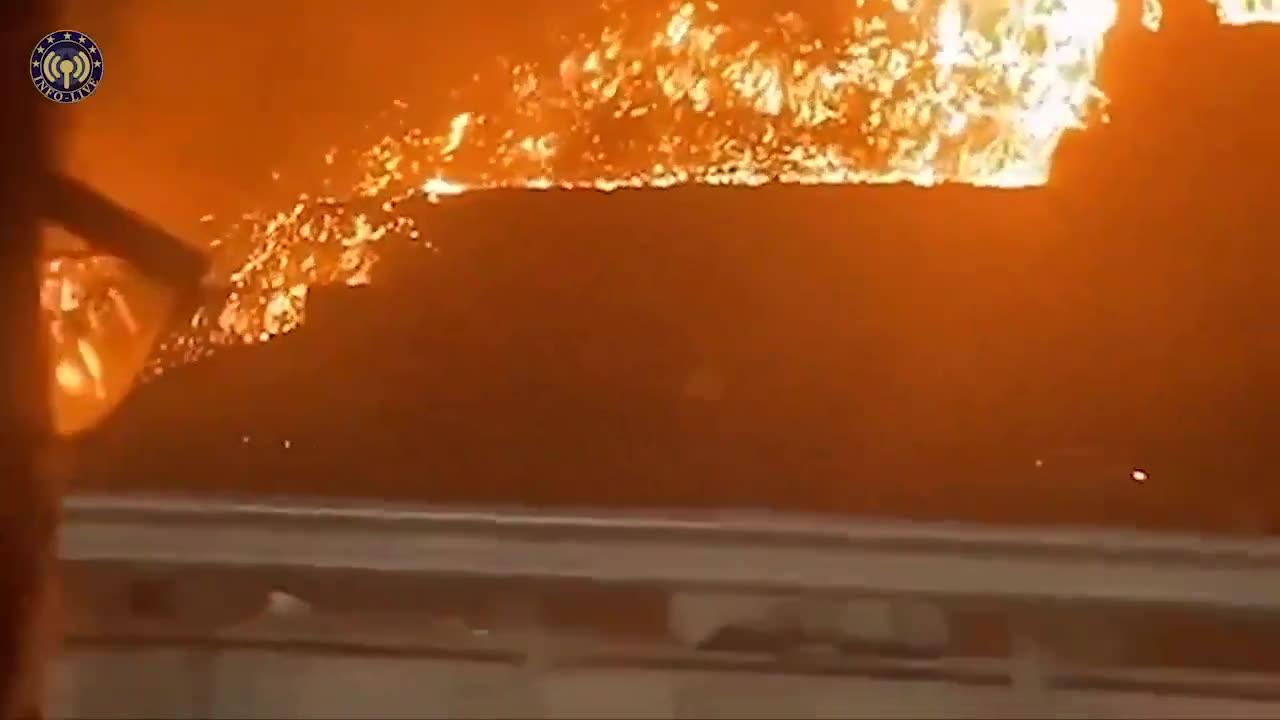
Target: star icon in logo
[(66, 36)]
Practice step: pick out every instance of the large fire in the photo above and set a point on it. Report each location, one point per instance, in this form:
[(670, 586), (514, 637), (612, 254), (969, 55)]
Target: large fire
[(914, 94), (977, 92)]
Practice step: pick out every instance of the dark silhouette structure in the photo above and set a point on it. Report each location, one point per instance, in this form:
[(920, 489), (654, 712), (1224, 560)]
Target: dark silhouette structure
[(31, 193)]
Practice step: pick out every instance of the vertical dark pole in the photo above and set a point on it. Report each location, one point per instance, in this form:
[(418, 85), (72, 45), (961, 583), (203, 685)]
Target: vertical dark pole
[(28, 508)]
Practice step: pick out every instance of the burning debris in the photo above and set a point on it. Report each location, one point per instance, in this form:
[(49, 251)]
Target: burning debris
[(907, 91)]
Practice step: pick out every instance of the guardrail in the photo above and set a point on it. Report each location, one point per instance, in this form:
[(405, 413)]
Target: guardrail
[(730, 549)]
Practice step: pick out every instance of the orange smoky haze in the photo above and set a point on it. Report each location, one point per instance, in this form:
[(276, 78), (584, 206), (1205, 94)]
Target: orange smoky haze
[(203, 106), (216, 110), (203, 102)]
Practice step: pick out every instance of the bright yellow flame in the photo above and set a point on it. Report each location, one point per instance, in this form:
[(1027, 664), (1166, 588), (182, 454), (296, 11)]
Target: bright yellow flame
[(1152, 14), (1248, 12), (72, 317), (927, 94), (978, 92), (82, 307)]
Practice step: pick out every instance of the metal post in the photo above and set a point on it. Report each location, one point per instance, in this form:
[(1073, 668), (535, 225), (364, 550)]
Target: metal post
[(28, 505), (1030, 671)]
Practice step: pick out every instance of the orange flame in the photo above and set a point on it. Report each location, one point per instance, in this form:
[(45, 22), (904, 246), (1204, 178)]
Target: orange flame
[(978, 92)]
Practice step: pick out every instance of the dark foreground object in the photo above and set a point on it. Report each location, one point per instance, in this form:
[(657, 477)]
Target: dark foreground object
[(27, 509), (941, 354)]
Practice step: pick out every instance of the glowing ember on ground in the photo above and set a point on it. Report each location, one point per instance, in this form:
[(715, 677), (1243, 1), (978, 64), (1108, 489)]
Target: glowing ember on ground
[(978, 92)]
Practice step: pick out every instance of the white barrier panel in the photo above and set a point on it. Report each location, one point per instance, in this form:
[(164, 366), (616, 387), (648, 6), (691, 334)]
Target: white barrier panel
[(726, 549), (256, 684)]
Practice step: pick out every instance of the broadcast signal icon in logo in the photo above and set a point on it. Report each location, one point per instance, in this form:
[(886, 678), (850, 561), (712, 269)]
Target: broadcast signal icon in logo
[(61, 70), (66, 66)]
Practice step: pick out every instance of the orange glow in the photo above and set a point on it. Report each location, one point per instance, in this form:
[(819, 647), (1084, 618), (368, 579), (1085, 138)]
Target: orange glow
[(925, 92)]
